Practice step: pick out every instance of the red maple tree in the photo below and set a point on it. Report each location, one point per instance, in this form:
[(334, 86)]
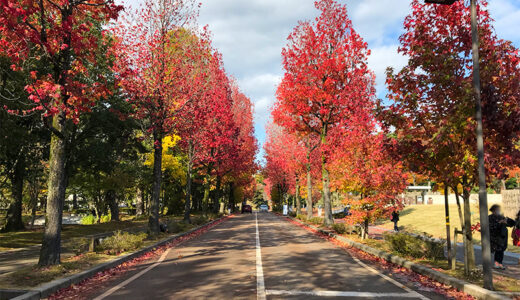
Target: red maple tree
[(61, 39), (326, 81), (431, 117)]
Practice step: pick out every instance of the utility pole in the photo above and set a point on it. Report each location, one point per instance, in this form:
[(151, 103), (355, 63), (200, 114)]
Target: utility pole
[(482, 193)]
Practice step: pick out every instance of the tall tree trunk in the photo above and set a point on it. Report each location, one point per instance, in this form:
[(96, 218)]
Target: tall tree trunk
[(34, 193), (187, 203), (459, 208), (33, 211), (14, 213), (297, 196), (51, 245), (205, 199), (112, 204), (365, 229), (309, 190), (231, 197), (139, 203), (218, 194), (470, 252), (75, 201), (327, 207), (153, 220)]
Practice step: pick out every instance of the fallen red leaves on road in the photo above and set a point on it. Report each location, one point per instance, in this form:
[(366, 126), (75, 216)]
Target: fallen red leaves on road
[(86, 287), (421, 282)]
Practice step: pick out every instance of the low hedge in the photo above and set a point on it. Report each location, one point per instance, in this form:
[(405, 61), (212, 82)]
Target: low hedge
[(415, 246)]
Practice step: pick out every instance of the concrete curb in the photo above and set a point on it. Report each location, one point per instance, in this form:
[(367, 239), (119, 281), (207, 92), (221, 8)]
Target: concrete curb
[(47, 289), (461, 285)]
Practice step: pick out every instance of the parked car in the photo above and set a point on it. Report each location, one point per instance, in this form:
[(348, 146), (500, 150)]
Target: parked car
[(264, 208), (247, 209)]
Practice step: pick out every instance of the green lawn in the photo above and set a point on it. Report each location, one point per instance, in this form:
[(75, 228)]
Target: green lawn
[(430, 219), (21, 239), (26, 238)]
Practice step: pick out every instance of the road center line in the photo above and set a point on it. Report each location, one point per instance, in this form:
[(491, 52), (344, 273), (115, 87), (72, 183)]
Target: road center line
[(126, 282), (260, 284)]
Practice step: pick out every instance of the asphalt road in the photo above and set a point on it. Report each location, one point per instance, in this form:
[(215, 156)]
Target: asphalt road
[(257, 256)]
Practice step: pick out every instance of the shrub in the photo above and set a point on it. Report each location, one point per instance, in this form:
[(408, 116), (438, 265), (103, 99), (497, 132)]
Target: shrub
[(105, 218), (121, 241), (199, 220), (316, 220), (176, 227), (88, 220), (340, 228), (292, 214), (415, 246), (78, 245), (301, 217)]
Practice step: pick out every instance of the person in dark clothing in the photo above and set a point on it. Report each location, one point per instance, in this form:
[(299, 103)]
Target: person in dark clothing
[(498, 233), (395, 219)]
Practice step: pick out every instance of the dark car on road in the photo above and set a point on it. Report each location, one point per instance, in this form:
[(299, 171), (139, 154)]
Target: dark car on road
[(247, 209)]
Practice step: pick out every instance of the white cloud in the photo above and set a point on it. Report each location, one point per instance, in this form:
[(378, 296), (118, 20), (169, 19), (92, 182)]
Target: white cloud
[(378, 21), (381, 58), (507, 15)]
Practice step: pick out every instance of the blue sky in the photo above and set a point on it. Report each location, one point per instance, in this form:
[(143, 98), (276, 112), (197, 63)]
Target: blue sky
[(251, 33)]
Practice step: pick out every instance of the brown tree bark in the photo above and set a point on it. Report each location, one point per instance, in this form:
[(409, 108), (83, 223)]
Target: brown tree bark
[(187, 203), (14, 212), (469, 250), (231, 197), (50, 252), (218, 194), (75, 201), (139, 203), (153, 220), (297, 196), (309, 190), (205, 199), (327, 207), (111, 198)]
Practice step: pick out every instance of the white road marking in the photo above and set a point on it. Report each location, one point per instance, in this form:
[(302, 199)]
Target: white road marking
[(342, 294), (404, 287), (260, 284), (126, 282)]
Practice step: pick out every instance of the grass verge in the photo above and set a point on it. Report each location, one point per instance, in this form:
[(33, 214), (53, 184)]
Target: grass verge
[(430, 219), (31, 276)]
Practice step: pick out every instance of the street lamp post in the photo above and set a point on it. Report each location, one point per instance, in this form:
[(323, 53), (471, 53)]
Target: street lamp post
[(487, 264)]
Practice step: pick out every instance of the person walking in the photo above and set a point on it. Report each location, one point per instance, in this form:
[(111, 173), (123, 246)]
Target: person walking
[(516, 230), (498, 232), (395, 219)]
